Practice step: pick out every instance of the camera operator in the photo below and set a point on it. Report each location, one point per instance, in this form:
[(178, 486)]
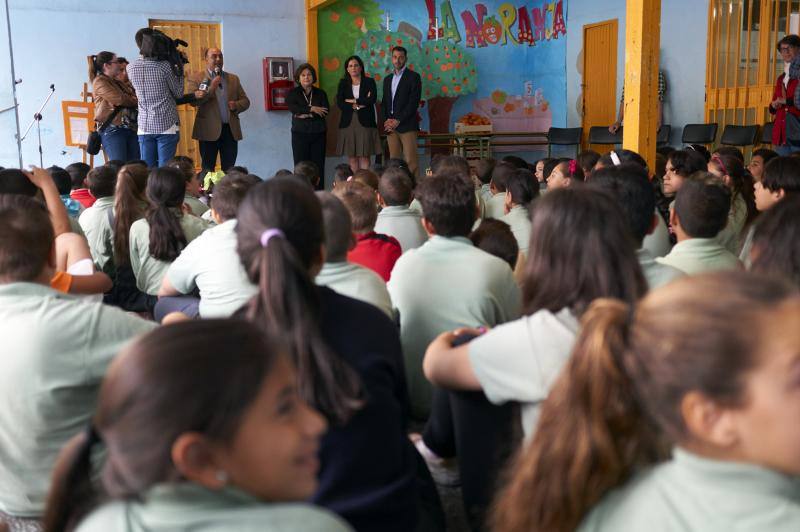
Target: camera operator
[(157, 76)]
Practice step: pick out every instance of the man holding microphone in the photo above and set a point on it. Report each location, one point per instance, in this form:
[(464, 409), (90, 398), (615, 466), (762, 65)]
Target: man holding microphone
[(216, 125)]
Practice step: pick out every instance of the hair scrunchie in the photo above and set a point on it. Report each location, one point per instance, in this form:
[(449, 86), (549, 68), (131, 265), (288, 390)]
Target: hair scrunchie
[(269, 234)]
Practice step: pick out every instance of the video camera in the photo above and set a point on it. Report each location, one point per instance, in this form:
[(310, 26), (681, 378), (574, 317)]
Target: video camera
[(158, 45)]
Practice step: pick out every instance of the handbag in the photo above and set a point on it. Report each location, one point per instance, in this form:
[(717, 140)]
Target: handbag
[(94, 142)]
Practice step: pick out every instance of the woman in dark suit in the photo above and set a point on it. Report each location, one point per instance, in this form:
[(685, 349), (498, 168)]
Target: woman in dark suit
[(356, 95), (309, 105)]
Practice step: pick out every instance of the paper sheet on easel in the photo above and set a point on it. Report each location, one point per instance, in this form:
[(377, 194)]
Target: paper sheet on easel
[(79, 129), (794, 23)]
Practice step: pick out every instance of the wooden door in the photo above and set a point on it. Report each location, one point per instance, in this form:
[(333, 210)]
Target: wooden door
[(201, 36), (599, 78)]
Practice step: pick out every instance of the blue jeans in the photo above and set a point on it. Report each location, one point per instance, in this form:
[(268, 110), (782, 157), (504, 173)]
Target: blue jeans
[(120, 144), (157, 150), (787, 149)]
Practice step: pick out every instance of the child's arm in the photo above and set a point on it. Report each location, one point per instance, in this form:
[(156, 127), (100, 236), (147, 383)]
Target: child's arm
[(58, 213), (96, 283), (449, 366), (167, 289)]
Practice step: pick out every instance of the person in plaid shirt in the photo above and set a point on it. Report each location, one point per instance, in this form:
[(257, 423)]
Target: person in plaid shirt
[(157, 87), (662, 91)]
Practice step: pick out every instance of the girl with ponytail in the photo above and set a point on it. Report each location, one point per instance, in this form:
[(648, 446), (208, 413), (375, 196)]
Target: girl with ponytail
[(194, 440), (743, 203), (158, 238), (677, 373), (347, 353), (521, 190)]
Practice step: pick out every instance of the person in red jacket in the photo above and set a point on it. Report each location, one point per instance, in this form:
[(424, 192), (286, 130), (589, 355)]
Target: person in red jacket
[(783, 100), (375, 251)]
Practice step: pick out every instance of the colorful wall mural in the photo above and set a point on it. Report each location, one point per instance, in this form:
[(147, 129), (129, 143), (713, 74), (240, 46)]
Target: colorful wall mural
[(490, 62)]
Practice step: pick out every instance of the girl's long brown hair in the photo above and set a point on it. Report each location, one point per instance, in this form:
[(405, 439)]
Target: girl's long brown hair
[(129, 205), (616, 406)]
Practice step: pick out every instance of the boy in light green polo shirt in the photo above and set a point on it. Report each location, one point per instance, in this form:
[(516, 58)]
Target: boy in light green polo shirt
[(395, 217), (55, 352), (96, 220), (701, 211), (347, 278), (520, 193), (495, 207), (447, 282), (186, 166)]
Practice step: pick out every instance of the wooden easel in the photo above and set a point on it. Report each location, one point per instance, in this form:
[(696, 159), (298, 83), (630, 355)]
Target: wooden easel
[(88, 97)]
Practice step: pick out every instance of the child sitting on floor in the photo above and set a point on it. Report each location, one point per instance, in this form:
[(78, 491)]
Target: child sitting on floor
[(395, 217)]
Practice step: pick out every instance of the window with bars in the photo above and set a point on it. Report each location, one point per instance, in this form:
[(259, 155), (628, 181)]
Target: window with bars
[(742, 61)]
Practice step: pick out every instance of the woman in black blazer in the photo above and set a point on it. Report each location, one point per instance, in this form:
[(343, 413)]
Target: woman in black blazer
[(358, 137), (309, 105)]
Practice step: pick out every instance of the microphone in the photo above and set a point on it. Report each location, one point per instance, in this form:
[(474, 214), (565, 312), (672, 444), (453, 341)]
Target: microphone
[(217, 71), (53, 87)]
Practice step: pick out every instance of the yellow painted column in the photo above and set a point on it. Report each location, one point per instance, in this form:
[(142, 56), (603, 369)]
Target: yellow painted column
[(312, 42), (642, 38)]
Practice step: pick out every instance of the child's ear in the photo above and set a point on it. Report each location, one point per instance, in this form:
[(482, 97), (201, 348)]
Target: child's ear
[(673, 218), (708, 422), (381, 202), (779, 194), (429, 226), (196, 460)]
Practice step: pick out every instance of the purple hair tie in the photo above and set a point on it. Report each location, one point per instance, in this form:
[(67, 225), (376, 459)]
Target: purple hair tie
[(268, 234)]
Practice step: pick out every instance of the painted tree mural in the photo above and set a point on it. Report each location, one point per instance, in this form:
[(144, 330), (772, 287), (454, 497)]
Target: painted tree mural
[(345, 22), (448, 72), (375, 49)]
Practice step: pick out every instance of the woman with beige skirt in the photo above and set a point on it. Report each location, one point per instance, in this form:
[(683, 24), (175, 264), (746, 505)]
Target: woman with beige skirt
[(358, 129)]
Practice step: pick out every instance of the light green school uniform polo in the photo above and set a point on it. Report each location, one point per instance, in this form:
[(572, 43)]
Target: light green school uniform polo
[(519, 220), (358, 282), (655, 273), (496, 206), (657, 242), (56, 348), (99, 234), (695, 494), (444, 284), (520, 360), (699, 255), (403, 224), (149, 271), (198, 207), (416, 206), (210, 262), (186, 506), (747, 245), (486, 192), (731, 235)]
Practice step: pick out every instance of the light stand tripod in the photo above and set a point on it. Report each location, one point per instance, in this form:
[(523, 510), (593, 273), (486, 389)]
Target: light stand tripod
[(37, 119)]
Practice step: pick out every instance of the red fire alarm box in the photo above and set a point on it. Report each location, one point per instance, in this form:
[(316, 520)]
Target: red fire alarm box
[(278, 81)]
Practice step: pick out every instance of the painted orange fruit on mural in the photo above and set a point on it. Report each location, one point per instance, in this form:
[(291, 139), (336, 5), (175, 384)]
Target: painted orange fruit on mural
[(492, 30), (509, 108), (499, 97), (331, 63), (359, 22), (353, 9), (335, 16)]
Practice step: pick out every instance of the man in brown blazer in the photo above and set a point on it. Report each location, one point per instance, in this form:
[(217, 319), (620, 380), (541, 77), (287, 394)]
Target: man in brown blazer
[(216, 125)]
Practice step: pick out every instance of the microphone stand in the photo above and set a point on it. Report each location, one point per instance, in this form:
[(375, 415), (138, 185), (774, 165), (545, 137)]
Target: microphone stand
[(37, 119)]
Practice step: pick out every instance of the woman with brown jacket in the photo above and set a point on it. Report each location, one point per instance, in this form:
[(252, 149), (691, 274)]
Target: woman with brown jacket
[(119, 136)]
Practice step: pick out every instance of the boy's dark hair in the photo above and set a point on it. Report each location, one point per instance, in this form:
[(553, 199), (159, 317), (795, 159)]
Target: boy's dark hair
[(377, 169), (360, 202), (283, 172), (115, 164), (782, 173), (140, 162), (101, 181), (502, 171), (630, 186), (26, 238), (665, 150), (731, 151), (702, 205), (400, 49), (394, 162), (185, 165), (240, 169), (484, 169), (309, 170), (341, 172), (700, 150), (523, 187), (776, 241), (367, 177), (587, 159), (789, 40), (766, 154), (338, 227), (229, 194), (448, 203), (496, 238), (62, 180), (686, 162), (77, 172), (625, 156), (450, 163), (13, 181), (519, 162), (395, 187)]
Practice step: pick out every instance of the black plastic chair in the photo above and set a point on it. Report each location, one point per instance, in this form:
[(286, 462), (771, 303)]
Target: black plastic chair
[(662, 137), (601, 135), (560, 136), (766, 133), (739, 135), (699, 133)]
